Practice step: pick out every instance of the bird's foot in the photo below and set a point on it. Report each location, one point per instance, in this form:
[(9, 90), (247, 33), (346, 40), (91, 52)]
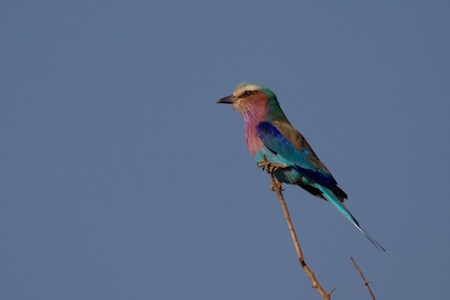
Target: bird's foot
[(270, 167)]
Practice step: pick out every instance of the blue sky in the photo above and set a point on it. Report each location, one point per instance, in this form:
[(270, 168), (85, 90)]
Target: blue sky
[(121, 178)]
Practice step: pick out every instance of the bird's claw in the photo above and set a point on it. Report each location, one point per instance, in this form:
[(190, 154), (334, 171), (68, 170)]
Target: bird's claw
[(270, 167)]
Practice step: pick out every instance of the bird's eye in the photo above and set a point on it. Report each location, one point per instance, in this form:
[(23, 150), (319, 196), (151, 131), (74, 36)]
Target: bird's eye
[(247, 93)]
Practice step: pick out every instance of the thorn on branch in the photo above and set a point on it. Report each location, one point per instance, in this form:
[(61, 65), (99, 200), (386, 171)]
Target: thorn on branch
[(365, 282)]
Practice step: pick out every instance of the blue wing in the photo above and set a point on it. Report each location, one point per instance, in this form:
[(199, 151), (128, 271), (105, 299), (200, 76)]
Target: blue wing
[(296, 151), (289, 147)]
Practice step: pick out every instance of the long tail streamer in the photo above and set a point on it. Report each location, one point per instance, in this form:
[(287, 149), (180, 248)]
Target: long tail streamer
[(343, 210)]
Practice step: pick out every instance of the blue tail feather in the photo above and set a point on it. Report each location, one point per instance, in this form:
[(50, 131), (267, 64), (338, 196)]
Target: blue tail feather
[(333, 200)]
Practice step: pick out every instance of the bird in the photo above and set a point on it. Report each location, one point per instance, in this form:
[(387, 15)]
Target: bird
[(271, 138)]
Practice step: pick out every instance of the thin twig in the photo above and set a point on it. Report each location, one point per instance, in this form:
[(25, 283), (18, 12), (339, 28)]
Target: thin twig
[(366, 283), (276, 186)]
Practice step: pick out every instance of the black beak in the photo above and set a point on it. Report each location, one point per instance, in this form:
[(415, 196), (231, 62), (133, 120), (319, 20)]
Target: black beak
[(226, 100)]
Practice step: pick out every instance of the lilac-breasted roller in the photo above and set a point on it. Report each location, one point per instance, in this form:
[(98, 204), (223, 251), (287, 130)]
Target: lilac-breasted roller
[(270, 137)]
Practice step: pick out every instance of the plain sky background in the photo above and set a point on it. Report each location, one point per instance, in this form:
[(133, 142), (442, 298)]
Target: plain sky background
[(121, 178)]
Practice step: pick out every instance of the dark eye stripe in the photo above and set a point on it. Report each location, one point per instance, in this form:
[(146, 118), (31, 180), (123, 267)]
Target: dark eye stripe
[(248, 93)]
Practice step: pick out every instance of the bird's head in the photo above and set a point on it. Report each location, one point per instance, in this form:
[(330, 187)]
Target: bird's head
[(254, 101)]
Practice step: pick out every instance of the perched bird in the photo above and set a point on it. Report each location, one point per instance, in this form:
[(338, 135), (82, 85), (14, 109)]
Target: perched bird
[(271, 138)]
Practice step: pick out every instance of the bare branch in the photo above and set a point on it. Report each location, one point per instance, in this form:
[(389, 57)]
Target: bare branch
[(366, 283), (276, 186)]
